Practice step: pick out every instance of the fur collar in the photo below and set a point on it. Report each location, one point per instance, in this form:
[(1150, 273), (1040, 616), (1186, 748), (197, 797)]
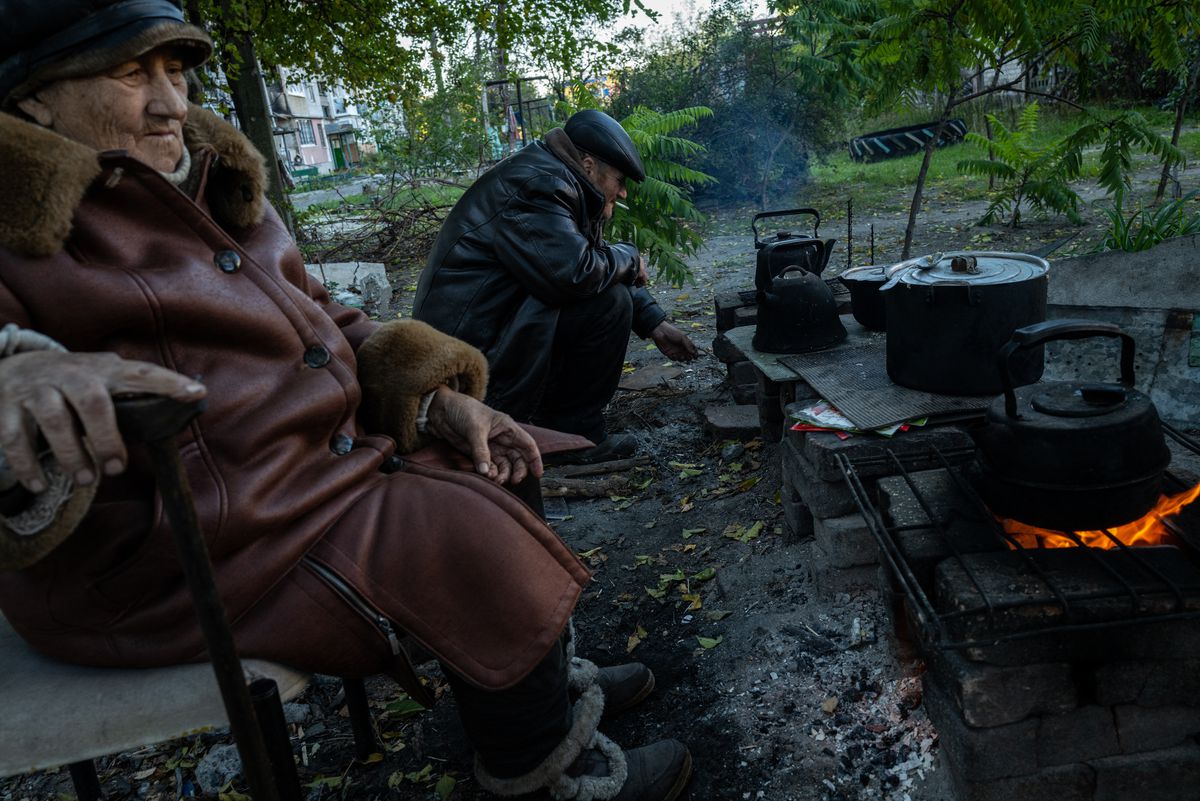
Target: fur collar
[(46, 177)]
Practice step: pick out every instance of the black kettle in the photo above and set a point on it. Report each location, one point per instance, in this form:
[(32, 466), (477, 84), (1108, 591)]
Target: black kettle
[(798, 314), (1066, 455)]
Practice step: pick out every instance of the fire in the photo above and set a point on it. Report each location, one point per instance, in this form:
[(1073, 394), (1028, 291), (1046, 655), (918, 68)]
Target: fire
[(1147, 530)]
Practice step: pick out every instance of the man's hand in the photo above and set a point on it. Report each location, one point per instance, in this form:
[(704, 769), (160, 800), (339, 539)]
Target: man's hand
[(673, 343), (68, 398), (500, 449)]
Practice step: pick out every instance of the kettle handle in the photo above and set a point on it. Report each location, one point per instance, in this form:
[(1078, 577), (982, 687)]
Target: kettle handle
[(762, 215), (1070, 328)]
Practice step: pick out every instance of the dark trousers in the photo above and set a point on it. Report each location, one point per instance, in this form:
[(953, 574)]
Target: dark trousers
[(513, 730), (585, 367)]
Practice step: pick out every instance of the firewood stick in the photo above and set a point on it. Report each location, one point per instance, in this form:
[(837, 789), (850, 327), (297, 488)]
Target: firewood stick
[(615, 466), (579, 488)]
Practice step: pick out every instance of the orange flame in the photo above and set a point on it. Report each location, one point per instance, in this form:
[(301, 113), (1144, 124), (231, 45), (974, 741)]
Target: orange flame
[(1147, 530)]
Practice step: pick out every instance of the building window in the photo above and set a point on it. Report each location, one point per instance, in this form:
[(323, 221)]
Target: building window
[(321, 135), (305, 129), (311, 91)]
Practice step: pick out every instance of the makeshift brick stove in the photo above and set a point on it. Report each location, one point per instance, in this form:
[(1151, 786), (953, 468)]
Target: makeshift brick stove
[(1060, 665)]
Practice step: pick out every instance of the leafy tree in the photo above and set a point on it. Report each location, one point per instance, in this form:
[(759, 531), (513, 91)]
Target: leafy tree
[(659, 216), (1029, 175), (955, 52), (766, 118)]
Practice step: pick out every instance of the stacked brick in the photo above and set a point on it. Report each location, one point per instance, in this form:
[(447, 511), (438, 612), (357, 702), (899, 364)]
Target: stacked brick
[(735, 309)]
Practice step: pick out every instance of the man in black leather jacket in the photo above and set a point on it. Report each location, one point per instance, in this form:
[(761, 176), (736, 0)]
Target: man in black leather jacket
[(521, 271)]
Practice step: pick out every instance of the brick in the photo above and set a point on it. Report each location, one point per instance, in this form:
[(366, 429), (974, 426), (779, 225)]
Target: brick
[(1063, 783), (981, 754), (725, 351), (1082, 734), (824, 498), (1171, 774), (743, 373), (732, 422), (821, 448), (743, 394), (1164, 640), (829, 580), (987, 695), (1141, 728), (1149, 683), (847, 541), (797, 519), (747, 315), (727, 303)]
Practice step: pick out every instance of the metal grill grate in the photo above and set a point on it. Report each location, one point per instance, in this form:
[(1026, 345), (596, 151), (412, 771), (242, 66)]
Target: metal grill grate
[(1009, 592)]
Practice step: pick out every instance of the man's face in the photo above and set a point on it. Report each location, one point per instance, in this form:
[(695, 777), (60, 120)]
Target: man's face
[(609, 180), (138, 106)]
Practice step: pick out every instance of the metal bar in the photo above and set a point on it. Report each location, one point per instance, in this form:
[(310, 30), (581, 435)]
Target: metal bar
[(85, 780), (268, 708), (1181, 438), (910, 460), (1180, 533), (922, 608), (365, 742), (1003, 535), (1146, 567), (1134, 598), (945, 535), (1102, 624), (193, 556)]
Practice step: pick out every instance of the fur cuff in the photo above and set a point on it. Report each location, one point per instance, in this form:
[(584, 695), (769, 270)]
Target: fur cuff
[(404, 360), (581, 673), (552, 773), (27, 537)]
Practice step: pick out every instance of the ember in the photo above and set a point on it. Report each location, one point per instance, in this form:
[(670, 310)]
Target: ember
[(1147, 530)]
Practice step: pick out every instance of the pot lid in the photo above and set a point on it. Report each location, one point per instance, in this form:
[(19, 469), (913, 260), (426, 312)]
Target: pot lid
[(870, 272), (976, 268), (1079, 400)]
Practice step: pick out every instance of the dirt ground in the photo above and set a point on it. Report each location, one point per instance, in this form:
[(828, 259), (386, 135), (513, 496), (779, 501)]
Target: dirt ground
[(783, 690)]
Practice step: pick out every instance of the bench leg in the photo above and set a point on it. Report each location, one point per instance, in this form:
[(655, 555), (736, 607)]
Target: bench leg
[(365, 742), (268, 709), (87, 783)]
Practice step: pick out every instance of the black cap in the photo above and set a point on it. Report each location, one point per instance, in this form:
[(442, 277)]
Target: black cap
[(599, 134), (42, 42)]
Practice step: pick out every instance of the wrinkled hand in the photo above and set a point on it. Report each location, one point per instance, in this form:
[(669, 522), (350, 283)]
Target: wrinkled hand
[(500, 449), (67, 397), (643, 275), (673, 343)]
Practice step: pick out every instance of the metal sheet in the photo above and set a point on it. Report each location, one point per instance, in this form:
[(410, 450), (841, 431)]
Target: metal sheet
[(855, 380)]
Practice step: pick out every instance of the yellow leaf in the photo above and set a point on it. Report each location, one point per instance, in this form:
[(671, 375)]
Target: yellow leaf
[(635, 639), (694, 601)]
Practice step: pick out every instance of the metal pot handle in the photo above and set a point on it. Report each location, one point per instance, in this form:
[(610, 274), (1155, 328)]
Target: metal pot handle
[(1039, 333), (762, 215)]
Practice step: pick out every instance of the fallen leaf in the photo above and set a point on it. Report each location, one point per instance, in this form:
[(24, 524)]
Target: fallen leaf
[(588, 554), (445, 786), (372, 758), (144, 774), (686, 504), (829, 705), (690, 532), (718, 614), (709, 642), (749, 483), (691, 546), (694, 601), (656, 594), (651, 524), (705, 574), (635, 639)]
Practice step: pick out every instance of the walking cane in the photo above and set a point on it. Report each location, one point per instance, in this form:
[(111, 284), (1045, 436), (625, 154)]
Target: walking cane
[(155, 421)]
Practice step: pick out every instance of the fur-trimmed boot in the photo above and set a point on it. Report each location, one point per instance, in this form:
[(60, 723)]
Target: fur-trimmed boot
[(624, 686), (587, 766)]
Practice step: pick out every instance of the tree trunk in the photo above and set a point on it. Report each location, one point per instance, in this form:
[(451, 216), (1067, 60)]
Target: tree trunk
[(253, 113), (920, 189), (1180, 111), (766, 169)]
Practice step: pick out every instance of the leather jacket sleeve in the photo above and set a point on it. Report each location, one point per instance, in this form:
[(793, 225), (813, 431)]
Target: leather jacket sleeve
[(647, 314), (540, 244)]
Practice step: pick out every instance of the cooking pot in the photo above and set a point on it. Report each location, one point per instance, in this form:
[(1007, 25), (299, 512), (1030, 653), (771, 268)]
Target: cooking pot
[(797, 315), (866, 301), (949, 314), (1066, 455)]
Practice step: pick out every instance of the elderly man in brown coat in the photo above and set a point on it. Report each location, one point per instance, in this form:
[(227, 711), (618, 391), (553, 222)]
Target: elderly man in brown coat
[(137, 255)]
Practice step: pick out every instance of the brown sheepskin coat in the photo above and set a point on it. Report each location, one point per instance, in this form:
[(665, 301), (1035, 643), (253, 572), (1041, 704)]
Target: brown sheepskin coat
[(306, 401)]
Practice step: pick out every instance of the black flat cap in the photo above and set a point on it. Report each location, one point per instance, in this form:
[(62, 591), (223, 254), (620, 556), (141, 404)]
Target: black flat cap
[(603, 137)]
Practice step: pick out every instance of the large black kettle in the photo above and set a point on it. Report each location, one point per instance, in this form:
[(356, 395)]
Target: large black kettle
[(1067, 455), (798, 314)]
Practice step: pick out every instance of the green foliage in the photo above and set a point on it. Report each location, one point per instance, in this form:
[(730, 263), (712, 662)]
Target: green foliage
[(659, 217), (1029, 174), (1118, 136), (1145, 228)]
